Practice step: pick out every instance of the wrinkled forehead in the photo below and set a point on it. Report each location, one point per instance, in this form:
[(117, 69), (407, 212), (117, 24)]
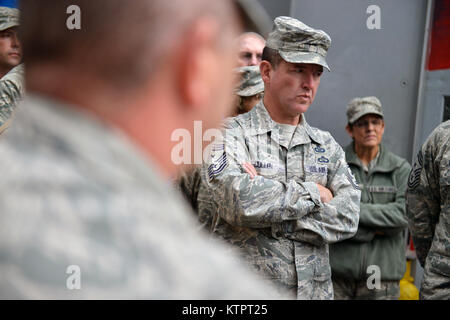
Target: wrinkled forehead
[(252, 42)]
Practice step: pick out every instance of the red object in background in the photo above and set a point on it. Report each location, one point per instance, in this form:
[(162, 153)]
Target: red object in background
[(411, 245), (439, 56)]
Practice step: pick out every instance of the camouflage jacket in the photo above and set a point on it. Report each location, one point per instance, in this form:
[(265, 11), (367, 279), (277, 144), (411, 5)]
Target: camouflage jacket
[(11, 90), (277, 219), (78, 195), (428, 211)]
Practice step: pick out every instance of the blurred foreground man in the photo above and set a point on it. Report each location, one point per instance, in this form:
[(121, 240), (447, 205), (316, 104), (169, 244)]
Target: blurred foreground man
[(11, 73), (282, 189), (85, 208), (378, 248), (428, 212)]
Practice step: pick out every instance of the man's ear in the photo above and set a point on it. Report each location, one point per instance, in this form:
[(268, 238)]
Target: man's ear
[(265, 68), (349, 130), (198, 61)]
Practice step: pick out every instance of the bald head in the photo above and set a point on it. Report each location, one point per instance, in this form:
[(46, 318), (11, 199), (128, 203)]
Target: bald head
[(251, 46)]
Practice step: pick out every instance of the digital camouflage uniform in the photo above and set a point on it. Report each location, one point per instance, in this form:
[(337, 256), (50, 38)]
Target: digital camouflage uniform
[(11, 85), (277, 219), (428, 212), (75, 192), (191, 186), (11, 91)]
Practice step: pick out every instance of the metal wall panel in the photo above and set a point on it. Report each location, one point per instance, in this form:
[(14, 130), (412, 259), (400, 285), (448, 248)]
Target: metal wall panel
[(384, 63)]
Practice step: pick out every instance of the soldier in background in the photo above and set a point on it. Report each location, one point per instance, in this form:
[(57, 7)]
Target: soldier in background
[(10, 48), (11, 91), (86, 209), (380, 240), (282, 189), (250, 89), (11, 73), (428, 212), (251, 46)]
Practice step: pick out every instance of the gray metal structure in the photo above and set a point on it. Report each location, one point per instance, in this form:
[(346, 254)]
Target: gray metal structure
[(383, 62)]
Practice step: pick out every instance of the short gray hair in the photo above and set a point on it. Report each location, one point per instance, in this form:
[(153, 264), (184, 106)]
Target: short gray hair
[(121, 42)]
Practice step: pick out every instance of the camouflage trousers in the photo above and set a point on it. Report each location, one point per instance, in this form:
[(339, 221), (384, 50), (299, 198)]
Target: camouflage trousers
[(347, 289), (435, 286)]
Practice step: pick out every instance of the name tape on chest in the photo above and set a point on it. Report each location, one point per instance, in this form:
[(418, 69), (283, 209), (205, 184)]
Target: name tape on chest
[(381, 189), (317, 169), (263, 165)]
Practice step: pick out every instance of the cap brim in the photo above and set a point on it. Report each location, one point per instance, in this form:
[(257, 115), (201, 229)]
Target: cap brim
[(304, 57), (362, 114), (8, 25), (251, 91)]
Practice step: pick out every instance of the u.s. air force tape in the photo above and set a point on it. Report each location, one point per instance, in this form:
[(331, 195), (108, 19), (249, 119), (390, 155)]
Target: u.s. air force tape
[(414, 176)]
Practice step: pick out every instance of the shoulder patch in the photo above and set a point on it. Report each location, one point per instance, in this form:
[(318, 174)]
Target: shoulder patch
[(351, 178), (219, 161), (414, 176)]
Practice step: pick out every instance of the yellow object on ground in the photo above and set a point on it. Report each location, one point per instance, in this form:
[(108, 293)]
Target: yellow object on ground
[(408, 290)]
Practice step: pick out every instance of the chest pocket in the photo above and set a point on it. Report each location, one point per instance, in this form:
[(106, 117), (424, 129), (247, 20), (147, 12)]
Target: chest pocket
[(316, 164)]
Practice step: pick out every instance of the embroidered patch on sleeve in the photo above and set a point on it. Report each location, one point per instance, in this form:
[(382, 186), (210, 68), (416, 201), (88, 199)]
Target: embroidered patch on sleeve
[(218, 166), (352, 178), (414, 176)]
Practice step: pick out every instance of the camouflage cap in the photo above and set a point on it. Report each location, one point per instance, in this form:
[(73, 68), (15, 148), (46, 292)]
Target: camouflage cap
[(298, 43), (9, 18), (251, 82), (359, 107)]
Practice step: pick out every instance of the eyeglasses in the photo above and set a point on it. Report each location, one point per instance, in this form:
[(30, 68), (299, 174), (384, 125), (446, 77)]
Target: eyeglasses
[(376, 123)]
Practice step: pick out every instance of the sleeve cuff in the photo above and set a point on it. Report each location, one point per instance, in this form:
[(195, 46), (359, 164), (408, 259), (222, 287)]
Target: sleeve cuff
[(313, 190)]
